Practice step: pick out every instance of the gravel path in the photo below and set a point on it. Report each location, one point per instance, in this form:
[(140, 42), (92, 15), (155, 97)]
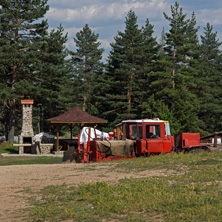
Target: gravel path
[(14, 180)]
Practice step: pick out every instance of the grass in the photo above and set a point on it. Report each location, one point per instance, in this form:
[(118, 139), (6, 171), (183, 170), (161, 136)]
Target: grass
[(7, 161), (193, 194), (8, 148), (179, 162)]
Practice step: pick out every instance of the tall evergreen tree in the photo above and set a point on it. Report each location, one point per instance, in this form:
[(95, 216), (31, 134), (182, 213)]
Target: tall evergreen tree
[(124, 68), (209, 81), (149, 55), (21, 29), (181, 48), (53, 76), (162, 43), (87, 65), (176, 38)]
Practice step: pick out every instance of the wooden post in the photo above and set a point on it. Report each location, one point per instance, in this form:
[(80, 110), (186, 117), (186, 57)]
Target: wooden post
[(215, 139), (71, 130), (57, 135)]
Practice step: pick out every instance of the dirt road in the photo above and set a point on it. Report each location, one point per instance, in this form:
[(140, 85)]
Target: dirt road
[(15, 180)]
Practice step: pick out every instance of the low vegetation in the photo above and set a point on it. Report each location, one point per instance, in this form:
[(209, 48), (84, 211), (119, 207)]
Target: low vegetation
[(19, 160), (8, 148), (191, 193), (7, 161)]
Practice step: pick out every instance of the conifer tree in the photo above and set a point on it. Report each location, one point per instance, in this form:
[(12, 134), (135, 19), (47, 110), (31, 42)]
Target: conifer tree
[(181, 48), (124, 68), (149, 55), (162, 43), (209, 81), (21, 29), (53, 74), (87, 65)]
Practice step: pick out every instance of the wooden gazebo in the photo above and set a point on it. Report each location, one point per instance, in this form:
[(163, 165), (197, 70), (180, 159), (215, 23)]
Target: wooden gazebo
[(74, 116)]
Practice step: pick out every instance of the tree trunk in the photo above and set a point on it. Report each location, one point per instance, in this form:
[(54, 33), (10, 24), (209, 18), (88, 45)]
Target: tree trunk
[(85, 90), (173, 77), (84, 103), (5, 124), (129, 94), (173, 72), (11, 123)]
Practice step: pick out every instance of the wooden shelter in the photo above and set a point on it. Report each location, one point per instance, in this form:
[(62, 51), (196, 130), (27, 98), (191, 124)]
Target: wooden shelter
[(74, 116)]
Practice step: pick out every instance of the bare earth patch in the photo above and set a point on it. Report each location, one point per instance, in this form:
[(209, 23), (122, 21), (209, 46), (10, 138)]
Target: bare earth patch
[(15, 179)]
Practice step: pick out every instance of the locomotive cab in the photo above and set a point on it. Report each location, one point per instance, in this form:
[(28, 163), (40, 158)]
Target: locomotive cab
[(150, 136)]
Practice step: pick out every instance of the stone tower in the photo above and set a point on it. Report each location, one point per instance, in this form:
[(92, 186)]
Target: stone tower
[(27, 129), (27, 134)]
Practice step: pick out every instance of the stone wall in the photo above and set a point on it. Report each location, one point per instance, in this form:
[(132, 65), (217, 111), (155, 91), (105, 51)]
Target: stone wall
[(27, 129), (45, 148)]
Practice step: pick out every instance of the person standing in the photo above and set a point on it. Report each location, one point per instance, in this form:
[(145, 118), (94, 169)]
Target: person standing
[(37, 140)]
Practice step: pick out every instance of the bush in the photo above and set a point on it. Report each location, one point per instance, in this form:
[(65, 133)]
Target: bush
[(7, 147)]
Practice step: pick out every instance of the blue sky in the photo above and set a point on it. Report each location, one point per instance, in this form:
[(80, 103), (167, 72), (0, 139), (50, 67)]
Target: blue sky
[(107, 17)]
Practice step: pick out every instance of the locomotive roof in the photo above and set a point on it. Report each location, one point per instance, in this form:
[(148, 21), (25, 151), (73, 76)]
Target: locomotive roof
[(143, 121)]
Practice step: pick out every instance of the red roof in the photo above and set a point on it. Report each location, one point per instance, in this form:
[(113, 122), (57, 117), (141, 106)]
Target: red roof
[(76, 115), (27, 101)]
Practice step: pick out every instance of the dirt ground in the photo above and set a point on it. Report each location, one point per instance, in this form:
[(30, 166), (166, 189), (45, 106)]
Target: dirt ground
[(14, 180)]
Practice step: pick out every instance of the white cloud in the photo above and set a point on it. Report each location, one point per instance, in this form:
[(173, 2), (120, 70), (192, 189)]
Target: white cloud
[(107, 17), (213, 16), (105, 43), (71, 31), (101, 11), (70, 44)]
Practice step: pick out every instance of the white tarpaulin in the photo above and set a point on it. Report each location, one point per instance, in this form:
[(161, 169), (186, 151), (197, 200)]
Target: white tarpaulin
[(46, 138), (94, 133)]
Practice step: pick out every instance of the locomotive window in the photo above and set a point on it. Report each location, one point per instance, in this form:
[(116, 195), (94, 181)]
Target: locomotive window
[(140, 131), (167, 129), (131, 131), (134, 132), (152, 131), (127, 130)]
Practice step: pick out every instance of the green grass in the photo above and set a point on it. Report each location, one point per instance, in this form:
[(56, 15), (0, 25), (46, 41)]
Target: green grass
[(8, 148), (194, 193), (178, 162), (6, 161)]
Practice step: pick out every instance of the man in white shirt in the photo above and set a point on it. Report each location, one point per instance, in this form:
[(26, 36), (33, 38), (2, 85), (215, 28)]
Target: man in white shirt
[(37, 140)]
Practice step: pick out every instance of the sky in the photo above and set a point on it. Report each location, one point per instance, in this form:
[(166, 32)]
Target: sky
[(107, 17)]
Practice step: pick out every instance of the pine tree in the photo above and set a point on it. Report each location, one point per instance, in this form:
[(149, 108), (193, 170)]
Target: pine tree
[(21, 29), (124, 68), (209, 81), (181, 50), (176, 38), (53, 74), (87, 65), (162, 43), (149, 55)]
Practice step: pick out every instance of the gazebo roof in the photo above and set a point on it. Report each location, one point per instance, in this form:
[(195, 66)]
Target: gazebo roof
[(76, 115)]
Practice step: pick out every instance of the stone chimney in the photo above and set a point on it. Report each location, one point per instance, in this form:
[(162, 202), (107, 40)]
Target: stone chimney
[(27, 134)]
